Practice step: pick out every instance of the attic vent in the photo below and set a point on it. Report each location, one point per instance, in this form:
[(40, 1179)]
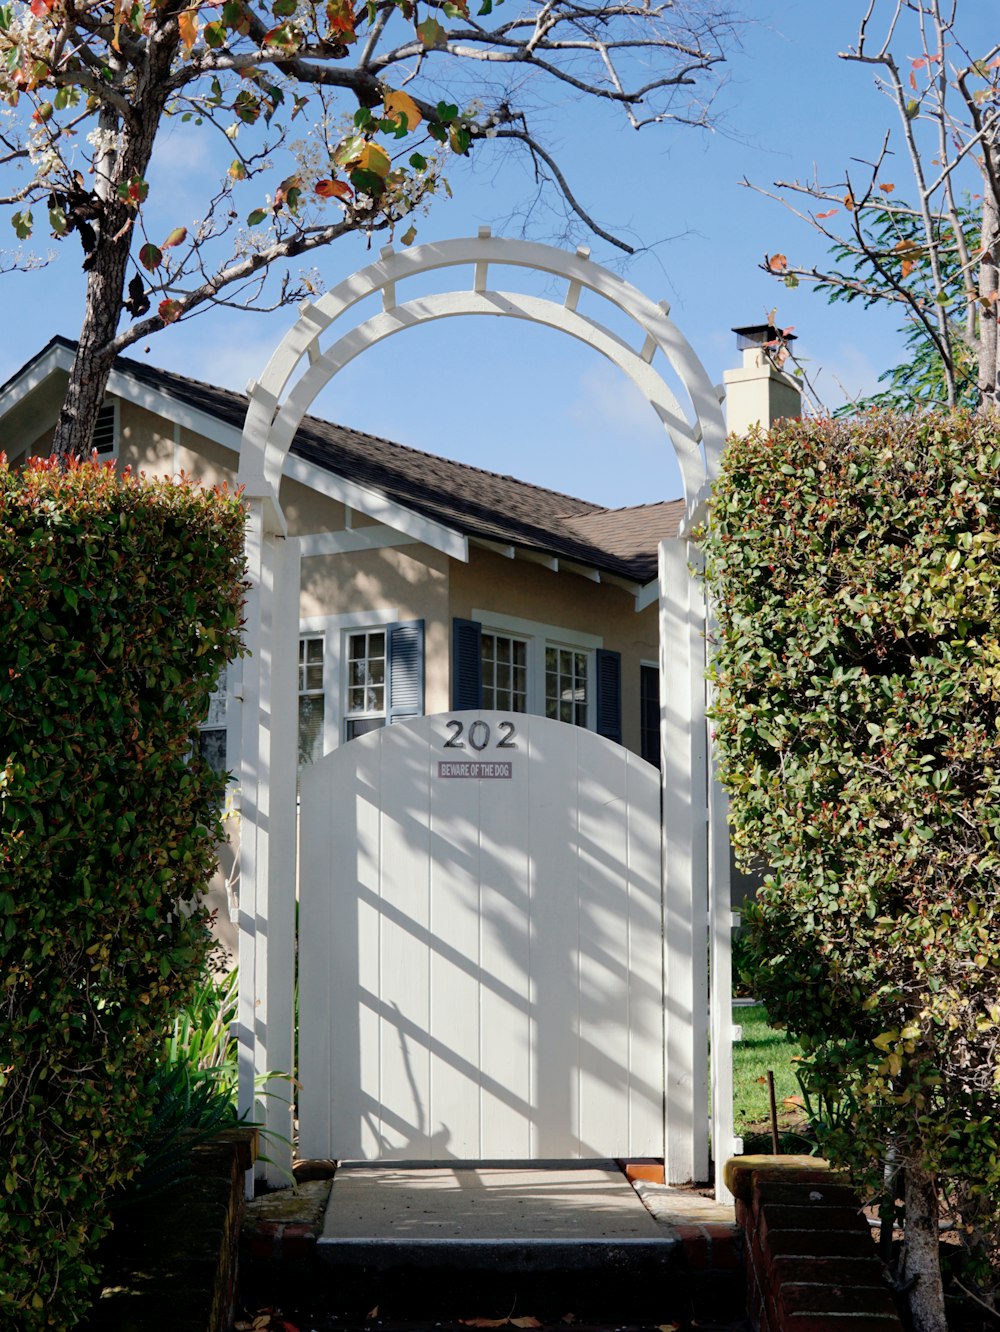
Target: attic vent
[(105, 435)]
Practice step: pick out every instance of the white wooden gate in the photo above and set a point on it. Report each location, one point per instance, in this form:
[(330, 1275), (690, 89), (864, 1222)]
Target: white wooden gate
[(481, 945), (327, 336)]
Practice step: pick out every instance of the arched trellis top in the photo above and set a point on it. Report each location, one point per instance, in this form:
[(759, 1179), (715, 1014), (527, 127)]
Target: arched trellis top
[(279, 400)]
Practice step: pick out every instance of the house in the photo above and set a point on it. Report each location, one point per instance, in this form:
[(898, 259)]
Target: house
[(427, 584), (430, 587)]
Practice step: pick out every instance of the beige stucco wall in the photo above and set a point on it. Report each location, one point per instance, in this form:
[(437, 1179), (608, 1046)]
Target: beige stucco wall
[(410, 580)]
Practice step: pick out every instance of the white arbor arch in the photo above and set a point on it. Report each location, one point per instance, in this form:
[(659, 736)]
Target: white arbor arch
[(695, 853)]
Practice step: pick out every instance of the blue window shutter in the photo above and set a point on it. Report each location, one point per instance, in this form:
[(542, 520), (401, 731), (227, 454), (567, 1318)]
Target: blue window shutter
[(466, 665), (405, 644), (609, 694)]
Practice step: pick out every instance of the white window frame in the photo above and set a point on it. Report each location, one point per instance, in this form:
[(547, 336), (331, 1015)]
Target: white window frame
[(333, 629), (539, 636), (528, 646), (346, 715)]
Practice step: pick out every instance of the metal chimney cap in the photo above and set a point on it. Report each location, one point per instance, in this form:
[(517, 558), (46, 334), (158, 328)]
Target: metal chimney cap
[(759, 335)]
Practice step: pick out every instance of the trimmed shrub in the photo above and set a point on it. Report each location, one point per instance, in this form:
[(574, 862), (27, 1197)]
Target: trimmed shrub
[(854, 568), (120, 601)]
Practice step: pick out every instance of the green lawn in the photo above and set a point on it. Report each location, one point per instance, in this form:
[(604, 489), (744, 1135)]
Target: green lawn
[(763, 1048)]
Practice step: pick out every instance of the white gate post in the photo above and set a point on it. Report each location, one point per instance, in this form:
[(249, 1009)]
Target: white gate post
[(720, 965), (684, 778), (268, 831)]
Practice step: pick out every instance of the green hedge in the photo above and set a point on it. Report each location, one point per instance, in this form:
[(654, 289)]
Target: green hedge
[(854, 567), (120, 602)]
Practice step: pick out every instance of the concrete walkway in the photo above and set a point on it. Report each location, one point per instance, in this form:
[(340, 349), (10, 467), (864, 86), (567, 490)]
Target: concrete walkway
[(509, 1217), (451, 1241)]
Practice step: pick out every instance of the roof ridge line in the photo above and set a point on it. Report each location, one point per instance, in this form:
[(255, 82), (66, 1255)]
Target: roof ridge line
[(147, 370)]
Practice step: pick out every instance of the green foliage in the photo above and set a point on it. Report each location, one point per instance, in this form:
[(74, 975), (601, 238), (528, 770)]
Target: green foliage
[(897, 254), (189, 1106), (857, 715), (192, 1091), (120, 600)]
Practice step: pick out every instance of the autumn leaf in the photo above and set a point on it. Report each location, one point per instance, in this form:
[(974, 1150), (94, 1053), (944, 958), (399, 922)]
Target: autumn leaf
[(777, 263), (177, 237), (399, 104), (150, 256), (285, 35), (333, 189), (288, 193), (372, 158), (409, 236), (831, 213), (134, 191), (849, 201), (886, 187), (431, 33), (187, 26), (340, 16), (237, 171), (907, 267), (169, 311)]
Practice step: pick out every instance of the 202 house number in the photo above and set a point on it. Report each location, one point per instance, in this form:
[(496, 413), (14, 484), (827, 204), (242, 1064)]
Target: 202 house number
[(479, 735)]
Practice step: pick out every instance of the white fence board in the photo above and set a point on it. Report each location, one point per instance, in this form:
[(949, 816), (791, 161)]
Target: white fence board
[(481, 963)]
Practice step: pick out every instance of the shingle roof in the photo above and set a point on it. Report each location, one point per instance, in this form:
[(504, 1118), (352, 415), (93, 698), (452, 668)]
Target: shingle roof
[(468, 499)]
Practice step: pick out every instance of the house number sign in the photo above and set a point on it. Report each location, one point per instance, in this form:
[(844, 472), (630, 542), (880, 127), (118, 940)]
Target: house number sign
[(478, 736)]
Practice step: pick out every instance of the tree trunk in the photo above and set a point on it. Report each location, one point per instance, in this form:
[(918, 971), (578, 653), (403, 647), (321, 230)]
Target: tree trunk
[(988, 304), (921, 1262), (132, 142)]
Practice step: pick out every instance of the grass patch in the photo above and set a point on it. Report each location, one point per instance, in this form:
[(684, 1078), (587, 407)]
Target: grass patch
[(763, 1048)]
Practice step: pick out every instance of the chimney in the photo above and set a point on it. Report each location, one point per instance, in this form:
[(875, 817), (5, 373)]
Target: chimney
[(758, 392)]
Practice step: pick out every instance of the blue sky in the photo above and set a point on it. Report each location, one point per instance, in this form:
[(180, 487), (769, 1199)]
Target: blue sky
[(513, 398)]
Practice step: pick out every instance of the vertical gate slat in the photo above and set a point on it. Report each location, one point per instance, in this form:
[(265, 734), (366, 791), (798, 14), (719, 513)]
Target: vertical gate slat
[(603, 935), (505, 925), (555, 979), (455, 969), (645, 963), (357, 1074), (404, 955)]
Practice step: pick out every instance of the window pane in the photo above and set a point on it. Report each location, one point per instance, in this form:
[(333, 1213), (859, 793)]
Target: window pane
[(376, 645), (212, 746), (488, 697), (356, 646), (362, 725), (376, 673), (311, 710), (314, 649), (314, 677)]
